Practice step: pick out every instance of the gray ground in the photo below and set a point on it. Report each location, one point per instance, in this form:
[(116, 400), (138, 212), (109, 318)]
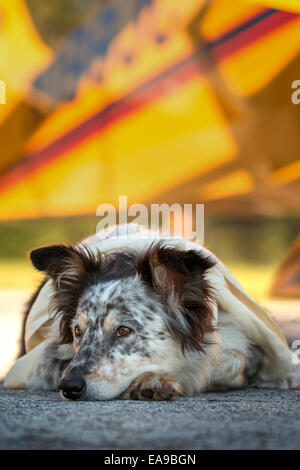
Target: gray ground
[(250, 419)]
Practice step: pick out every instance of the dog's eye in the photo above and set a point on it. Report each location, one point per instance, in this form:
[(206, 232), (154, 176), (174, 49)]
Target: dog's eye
[(123, 330), (77, 330)]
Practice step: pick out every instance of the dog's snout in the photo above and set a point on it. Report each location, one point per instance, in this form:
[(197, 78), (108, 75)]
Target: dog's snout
[(72, 387)]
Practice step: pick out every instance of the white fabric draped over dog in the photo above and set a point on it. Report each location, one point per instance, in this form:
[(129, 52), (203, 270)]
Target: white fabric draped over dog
[(229, 298)]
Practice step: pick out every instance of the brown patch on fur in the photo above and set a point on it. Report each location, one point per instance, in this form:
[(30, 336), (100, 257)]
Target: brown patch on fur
[(122, 368), (82, 321), (109, 322)]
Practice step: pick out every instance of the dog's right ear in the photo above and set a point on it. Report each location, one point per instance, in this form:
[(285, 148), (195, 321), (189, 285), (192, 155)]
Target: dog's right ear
[(50, 258), (180, 277)]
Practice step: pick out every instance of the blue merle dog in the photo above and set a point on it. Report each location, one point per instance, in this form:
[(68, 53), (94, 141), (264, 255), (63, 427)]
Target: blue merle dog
[(134, 325)]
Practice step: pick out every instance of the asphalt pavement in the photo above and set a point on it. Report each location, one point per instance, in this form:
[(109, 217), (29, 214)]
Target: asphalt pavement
[(245, 419)]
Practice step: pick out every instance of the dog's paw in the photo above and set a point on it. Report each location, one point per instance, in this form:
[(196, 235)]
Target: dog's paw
[(153, 387), (291, 382)]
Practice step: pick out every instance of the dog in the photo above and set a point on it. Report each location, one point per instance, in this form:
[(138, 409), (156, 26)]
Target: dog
[(138, 324)]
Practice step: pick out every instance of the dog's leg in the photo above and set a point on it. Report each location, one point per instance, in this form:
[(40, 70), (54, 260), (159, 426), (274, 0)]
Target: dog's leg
[(153, 386), (236, 369), (50, 366), (230, 372)]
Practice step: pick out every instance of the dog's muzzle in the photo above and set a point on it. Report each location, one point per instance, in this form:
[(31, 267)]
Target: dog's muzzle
[(72, 387)]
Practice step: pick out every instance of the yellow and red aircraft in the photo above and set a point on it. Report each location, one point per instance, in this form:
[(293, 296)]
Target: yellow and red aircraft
[(164, 101), (22, 56)]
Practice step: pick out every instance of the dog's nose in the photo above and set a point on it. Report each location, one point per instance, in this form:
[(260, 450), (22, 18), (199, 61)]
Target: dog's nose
[(72, 387)]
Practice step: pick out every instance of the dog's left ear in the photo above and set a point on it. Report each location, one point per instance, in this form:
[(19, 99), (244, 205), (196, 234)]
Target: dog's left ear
[(47, 257), (179, 276), (70, 268)]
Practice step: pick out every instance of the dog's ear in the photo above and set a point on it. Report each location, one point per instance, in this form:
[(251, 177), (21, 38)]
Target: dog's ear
[(179, 276), (46, 257), (65, 263), (70, 268)]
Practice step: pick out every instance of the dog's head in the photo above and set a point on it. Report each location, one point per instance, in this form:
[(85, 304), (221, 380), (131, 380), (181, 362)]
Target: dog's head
[(126, 312)]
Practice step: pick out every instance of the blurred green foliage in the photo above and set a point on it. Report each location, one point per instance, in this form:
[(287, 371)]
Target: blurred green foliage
[(18, 237), (252, 248), (252, 240)]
